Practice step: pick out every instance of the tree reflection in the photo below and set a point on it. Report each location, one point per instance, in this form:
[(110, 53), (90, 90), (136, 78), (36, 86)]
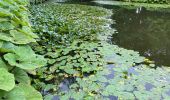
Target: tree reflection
[(147, 32)]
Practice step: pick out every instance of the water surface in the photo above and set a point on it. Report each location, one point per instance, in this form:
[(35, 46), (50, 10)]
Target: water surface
[(145, 31)]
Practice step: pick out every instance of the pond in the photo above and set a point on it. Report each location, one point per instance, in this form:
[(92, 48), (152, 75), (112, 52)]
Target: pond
[(141, 30), (100, 69), (145, 31)]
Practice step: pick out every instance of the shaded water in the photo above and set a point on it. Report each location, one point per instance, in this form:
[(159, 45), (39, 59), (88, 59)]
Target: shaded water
[(144, 31), (147, 32)]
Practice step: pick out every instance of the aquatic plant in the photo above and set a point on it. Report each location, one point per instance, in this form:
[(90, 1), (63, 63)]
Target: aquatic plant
[(68, 40), (82, 65)]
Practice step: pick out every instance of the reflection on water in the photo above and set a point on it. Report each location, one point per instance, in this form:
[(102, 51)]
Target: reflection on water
[(149, 86), (147, 32)]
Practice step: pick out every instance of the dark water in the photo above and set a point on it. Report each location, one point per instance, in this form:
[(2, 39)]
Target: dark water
[(147, 32)]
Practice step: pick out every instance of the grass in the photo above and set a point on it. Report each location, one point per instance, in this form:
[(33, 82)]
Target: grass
[(135, 5)]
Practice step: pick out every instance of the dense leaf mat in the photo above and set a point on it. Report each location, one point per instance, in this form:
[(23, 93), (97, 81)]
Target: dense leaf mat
[(16, 56), (82, 65)]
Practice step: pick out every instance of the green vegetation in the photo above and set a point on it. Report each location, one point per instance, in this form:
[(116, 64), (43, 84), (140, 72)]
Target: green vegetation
[(82, 65), (132, 5), (16, 56), (148, 1), (37, 1), (68, 56), (69, 41)]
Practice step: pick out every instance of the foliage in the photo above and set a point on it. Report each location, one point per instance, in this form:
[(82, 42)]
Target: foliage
[(37, 1), (132, 77), (16, 57), (134, 5), (63, 38), (148, 1), (82, 65), (21, 92), (69, 41), (20, 59), (64, 25), (7, 80)]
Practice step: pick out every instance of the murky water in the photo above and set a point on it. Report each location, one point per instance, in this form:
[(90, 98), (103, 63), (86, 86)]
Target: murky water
[(145, 31)]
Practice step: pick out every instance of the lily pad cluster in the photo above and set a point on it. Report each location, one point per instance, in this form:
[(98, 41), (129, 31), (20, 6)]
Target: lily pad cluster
[(83, 66), (132, 79), (16, 56), (61, 24), (69, 40)]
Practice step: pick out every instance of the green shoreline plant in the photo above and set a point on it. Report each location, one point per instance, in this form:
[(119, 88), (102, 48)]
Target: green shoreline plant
[(16, 56)]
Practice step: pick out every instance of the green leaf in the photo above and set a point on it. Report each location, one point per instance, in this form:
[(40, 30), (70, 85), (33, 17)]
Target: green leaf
[(2, 94), (27, 30), (7, 81), (30, 92), (4, 12), (110, 88), (5, 37), (48, 97), (102, 79), (3, 19), (1, 43), (23, 2), (3, 65), (21, 76), (6, 26), (15, 94), (25, 58), (6, 47), (20, 38)]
